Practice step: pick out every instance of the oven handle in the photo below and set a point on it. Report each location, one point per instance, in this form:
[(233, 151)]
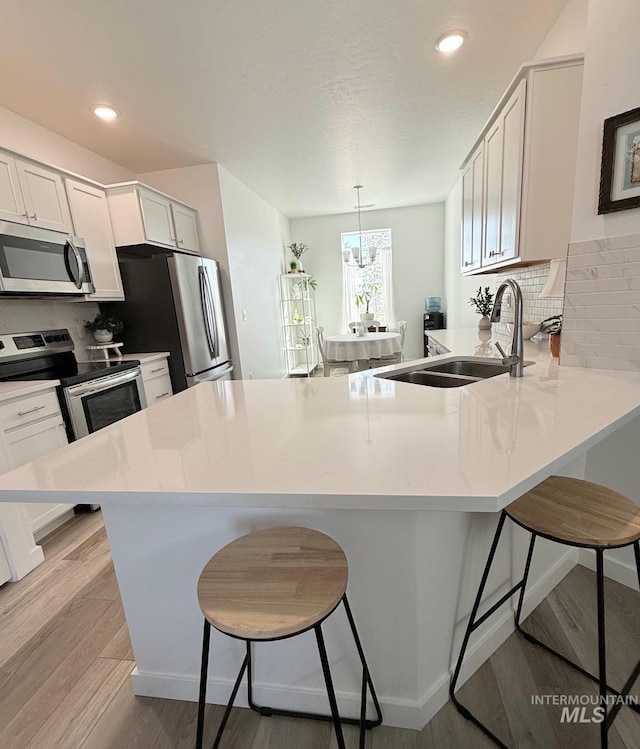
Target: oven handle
[(103, 383)]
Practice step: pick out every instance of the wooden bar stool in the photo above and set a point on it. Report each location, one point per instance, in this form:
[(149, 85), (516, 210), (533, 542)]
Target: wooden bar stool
[(576, 513), (270, 585)]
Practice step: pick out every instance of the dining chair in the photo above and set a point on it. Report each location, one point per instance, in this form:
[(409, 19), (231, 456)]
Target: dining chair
[(329, 364), (391, 358)]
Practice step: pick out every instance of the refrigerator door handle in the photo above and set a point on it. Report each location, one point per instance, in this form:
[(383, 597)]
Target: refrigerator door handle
[(205, 301), (212, 313)]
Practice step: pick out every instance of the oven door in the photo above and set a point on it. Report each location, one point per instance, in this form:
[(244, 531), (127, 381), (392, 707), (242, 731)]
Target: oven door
[(38, 261), (97, 403)]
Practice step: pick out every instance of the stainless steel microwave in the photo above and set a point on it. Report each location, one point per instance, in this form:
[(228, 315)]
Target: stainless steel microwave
[(39, 261)]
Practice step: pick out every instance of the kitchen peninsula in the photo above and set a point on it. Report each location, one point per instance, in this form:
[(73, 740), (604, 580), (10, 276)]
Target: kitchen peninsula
[(407, 479)]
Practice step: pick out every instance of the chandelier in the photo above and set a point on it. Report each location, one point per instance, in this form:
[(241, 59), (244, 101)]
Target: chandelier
[(354, 256)]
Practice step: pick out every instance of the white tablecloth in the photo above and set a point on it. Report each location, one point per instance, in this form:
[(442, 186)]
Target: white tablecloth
[(350, 347)]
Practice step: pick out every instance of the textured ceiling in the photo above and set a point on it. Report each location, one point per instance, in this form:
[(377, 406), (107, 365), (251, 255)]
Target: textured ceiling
[(299, 99)]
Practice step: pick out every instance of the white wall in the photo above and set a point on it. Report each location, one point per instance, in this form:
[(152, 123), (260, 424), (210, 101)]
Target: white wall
[(256, 237), (568, 34), (200, 187), (418, 262), (610, 87)]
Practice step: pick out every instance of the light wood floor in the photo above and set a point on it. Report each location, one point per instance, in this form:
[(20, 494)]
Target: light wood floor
[(65, 660)]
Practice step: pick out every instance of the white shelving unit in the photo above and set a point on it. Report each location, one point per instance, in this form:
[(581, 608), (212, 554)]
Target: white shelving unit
[(298, 312)]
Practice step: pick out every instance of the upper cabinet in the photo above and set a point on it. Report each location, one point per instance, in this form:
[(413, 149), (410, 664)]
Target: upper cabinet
[(141, 215), (32, 194), (90, 214), (517, 183)]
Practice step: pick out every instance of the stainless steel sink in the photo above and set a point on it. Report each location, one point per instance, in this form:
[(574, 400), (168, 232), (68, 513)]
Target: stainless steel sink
[(454, 372), (468, 368), (435, 379)]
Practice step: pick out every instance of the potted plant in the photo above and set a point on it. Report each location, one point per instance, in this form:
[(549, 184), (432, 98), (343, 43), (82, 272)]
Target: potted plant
[(293, 266), (297, 250), (552, 326), (363, 299), (104, 327), (483, 302)]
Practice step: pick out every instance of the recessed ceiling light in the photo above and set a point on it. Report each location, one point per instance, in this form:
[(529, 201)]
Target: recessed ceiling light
[(451, 41), (104, 112)]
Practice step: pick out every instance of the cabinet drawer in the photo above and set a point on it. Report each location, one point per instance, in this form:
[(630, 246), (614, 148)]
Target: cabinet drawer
[(153, 369), (157, 389), (29, 408)]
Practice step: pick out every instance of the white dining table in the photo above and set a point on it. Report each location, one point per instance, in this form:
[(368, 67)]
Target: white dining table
[(352, 347)]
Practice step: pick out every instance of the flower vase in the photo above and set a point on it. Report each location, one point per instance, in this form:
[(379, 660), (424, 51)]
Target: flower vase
[(484, 323)]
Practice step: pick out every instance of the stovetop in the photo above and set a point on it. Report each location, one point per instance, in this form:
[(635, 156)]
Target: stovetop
[(48, 355)]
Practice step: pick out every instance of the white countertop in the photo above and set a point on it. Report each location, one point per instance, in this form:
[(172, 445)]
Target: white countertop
[(15, 389), (142, 358), (344, 442)]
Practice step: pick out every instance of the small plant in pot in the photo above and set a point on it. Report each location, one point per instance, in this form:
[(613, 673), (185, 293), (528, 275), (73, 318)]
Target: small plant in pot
[(552, 326), (104, 327), (297, 250), (483, 302), (363, 299)]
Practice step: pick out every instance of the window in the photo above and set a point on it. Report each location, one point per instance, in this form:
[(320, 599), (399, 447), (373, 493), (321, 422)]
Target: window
[(378, 273)]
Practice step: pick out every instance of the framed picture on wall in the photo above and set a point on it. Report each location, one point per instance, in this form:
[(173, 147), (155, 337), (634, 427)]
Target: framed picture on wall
[(620, 174)]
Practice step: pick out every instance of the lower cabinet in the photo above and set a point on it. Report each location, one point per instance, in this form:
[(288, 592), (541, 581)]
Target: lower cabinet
[(33, 427), (156, 381)]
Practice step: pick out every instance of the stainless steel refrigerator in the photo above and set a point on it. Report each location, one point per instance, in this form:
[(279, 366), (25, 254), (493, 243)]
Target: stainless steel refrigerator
[(174, 303)]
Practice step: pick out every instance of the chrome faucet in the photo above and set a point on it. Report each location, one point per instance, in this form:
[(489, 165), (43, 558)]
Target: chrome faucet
[(515, 361)]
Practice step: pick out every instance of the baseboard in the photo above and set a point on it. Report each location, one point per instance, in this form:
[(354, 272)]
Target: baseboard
[(401, 713), (622, 573)]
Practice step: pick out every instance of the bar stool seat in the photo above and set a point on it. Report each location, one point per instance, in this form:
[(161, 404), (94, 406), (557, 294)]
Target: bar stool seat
[(576, 513), (274, 584)]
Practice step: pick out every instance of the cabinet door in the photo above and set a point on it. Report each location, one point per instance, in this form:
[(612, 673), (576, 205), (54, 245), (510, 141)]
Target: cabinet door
[(44, 197), (472, 211), (11, 202), (504, 145), (90, 214), (186, 226), (157, 219), (512, 156), (27, 444), (157, 389)]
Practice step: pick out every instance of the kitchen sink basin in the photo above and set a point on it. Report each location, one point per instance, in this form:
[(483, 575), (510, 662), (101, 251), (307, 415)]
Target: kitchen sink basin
[(468, 368), (450, 373), (435, 379)]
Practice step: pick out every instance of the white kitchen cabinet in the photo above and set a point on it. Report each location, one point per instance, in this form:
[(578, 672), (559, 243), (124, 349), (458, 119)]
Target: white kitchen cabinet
[(473, 208), (141, 215), (503, 148), (32, 194), (33, 426), (528, 150), (156, 380), (186, 225), (91, 221), (11, 202)]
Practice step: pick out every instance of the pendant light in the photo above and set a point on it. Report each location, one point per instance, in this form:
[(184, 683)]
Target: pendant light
[(355, 257)]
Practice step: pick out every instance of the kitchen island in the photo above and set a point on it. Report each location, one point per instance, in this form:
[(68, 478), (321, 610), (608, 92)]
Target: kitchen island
[(408, 479)]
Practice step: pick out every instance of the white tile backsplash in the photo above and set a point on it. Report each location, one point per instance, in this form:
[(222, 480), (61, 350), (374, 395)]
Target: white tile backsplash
[(602, 305), (26, 315), (531, 279)]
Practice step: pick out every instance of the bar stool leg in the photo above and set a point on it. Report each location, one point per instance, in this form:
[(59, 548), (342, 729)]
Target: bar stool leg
[(329, 683), (364, 723), (602, 656), (527, 567), (471, 626), (206, 639)]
